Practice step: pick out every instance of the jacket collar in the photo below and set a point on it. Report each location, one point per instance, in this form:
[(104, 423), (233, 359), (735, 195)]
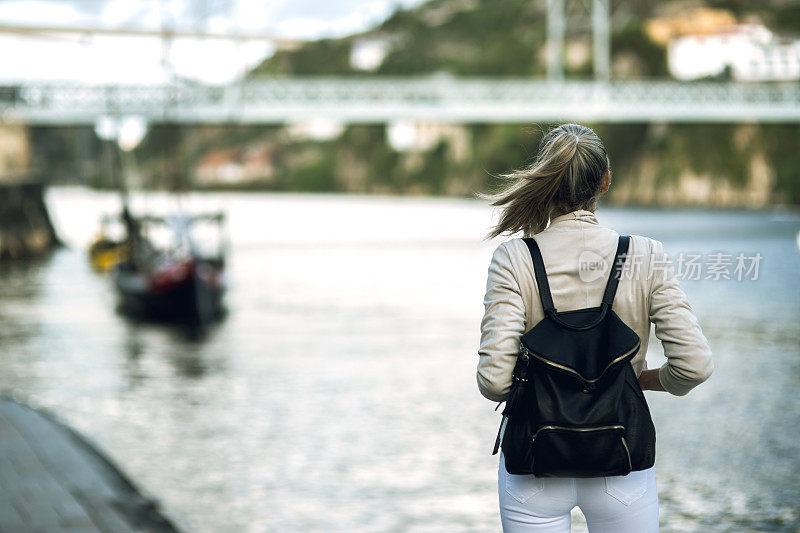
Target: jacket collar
[(580, 215)]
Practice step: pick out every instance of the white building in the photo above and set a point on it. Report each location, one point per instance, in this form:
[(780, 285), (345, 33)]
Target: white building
[(749, 52), (368, 54), (421, 136)]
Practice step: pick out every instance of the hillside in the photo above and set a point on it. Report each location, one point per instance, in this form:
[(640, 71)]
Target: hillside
[(480, 38), (507, 38)]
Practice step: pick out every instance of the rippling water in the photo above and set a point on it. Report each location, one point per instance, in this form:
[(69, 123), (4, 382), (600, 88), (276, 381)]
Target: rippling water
[(339, 393)]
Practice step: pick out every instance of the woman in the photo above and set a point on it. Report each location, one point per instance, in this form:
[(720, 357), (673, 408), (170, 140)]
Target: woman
[(562, 186)]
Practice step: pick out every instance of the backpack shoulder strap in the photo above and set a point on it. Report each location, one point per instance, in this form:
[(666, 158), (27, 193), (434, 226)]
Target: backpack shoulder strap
[(541, 276), (616, 270)]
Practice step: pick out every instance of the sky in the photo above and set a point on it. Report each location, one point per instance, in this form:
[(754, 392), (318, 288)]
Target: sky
[(106, 59)]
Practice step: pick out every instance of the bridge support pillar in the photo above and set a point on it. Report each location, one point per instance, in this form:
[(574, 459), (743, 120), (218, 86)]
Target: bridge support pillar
[(25, 226), (601, 34), (15, 151), (555, 39)]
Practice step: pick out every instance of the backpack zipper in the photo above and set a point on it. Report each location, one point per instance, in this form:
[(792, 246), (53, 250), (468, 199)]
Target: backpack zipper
[(598, 428), (541, 358), (628, 453)]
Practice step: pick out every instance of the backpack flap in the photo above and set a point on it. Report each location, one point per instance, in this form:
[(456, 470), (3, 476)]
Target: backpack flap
[(585, 354)]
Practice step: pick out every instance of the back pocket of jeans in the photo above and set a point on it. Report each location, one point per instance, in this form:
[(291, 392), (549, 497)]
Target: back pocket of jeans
[(627, 489), (523, 488)]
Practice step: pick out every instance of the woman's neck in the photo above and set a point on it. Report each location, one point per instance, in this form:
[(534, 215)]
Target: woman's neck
[(558, 211)]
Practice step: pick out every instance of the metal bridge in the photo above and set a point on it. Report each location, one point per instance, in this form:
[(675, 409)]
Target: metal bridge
[(374, 100)]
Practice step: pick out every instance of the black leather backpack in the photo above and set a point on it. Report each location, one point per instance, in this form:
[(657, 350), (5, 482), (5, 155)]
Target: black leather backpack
[(576, 408)]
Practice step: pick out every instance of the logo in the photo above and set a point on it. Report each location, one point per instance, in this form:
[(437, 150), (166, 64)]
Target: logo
[(591, 266)]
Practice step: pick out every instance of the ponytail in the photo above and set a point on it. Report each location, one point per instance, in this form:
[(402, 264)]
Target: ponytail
[(566, 175)]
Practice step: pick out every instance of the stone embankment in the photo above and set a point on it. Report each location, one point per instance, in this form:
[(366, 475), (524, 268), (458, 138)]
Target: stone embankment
[(52, 479)]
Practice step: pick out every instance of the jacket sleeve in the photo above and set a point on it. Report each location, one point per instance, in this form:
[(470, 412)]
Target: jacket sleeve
[(501, 328), (688, 354)]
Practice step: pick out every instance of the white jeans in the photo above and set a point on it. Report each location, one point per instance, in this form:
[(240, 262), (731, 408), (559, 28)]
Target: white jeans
[(615, 504)]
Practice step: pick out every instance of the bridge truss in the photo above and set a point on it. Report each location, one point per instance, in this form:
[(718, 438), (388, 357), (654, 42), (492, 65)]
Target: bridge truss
[(376, 100)]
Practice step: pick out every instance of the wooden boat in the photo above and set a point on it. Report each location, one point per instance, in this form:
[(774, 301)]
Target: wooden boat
[(179, 283)]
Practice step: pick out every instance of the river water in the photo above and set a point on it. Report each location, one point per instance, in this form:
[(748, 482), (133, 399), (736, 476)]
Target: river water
[(339, 393)]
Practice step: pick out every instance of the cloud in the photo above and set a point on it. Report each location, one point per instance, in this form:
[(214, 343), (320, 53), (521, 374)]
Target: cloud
[(117, 12), (337, 19), (38, 11), (116, 59)]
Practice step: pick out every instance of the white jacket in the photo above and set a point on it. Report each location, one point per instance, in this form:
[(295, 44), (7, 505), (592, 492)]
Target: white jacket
[(577, 255)]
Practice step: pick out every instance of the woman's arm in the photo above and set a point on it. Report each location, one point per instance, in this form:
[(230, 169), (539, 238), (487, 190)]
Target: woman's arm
[(648, 380), (688, 353), (501, 328)]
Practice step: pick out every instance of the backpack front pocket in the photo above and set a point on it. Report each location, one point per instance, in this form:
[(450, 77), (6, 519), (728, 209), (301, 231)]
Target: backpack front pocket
[(592, 451)]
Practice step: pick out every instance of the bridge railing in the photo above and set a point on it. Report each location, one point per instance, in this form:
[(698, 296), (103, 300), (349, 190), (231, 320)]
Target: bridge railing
[(386, 99)]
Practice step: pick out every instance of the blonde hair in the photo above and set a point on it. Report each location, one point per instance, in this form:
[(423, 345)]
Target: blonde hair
[(566, 175)]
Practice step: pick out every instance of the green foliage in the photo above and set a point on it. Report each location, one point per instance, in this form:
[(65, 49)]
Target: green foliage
[(785, 19), (367, 142), (707, 149), (781, 142), (497, 38), (484, 38), (325, 56), (632, 39), (434, 171), (500, 148), (62, 155), (781, 16), (313, 176)]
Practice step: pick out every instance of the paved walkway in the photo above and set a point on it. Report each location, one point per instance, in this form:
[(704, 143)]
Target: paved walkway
[(52, 480)]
